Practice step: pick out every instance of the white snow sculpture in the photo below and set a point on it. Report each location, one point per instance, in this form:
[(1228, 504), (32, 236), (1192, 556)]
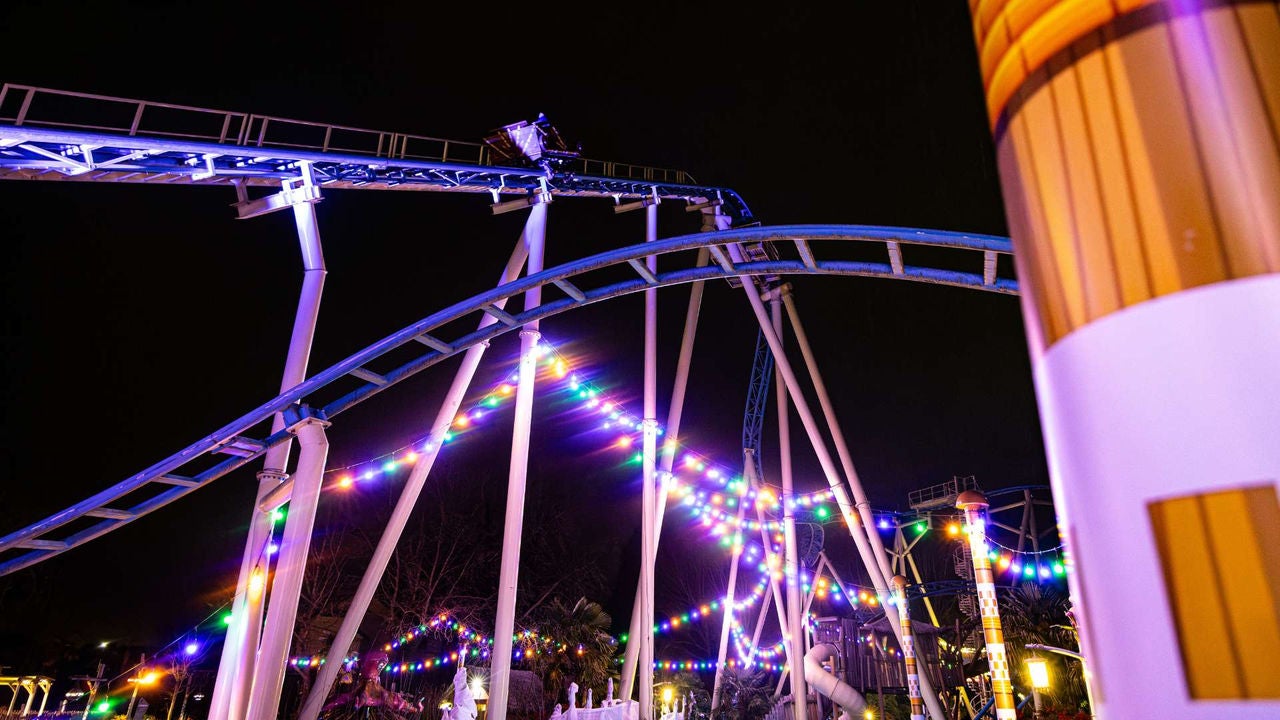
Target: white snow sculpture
[(464, 704)]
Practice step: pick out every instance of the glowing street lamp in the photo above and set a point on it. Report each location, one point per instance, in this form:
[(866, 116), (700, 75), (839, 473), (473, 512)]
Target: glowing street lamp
[(147, 678), (1039, 671)]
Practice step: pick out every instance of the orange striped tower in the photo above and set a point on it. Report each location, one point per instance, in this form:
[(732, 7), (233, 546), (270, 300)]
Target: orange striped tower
[(898, 584), (1139, 152), (973, 504)]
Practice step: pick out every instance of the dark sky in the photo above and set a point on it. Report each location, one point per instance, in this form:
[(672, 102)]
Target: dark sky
[(137, 319)]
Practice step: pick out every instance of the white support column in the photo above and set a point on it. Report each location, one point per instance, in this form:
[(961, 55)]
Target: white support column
[(726, 608), (854, 523), (239, 650), (772, 561), (766, 602), (509, 572), (295, 545), (795, 620), (862, 504), (404, 505), (631, 653), (648, 473)]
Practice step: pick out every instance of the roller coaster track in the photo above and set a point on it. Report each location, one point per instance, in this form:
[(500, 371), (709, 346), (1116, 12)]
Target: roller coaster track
[(120, 140), (374, 368), (156, 143)]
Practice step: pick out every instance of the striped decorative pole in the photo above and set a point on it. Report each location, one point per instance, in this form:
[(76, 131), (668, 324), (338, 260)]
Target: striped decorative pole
[(973, 504), (1138, 144), (899, 586)]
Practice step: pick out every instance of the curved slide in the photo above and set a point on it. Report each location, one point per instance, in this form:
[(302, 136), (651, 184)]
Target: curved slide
[(840, 692)]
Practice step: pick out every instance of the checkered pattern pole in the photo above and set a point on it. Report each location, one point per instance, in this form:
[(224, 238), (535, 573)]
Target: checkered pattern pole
[(899, 586), (973, 504)]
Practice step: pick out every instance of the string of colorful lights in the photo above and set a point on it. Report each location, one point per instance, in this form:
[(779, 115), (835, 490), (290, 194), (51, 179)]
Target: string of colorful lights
[(705, 506)]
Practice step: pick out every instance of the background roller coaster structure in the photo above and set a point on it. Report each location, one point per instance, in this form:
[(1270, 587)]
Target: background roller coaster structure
[(55, 135)]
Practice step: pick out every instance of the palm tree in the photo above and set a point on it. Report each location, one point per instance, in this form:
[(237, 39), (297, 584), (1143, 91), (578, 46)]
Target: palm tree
[(744, 695), (1033, 613), (580, 649)]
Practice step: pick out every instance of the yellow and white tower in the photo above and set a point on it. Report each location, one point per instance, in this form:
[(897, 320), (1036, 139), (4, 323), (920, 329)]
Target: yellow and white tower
[(1139, 154)]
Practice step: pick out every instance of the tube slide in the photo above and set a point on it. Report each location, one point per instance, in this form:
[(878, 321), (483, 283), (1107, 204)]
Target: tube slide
[(840, 692)]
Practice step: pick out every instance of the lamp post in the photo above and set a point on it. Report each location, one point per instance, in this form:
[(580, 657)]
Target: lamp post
[(1039, 671), (1071, 654), (142, 679)]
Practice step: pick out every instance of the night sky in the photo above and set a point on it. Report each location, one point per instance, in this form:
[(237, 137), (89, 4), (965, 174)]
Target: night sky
[(137, 319)]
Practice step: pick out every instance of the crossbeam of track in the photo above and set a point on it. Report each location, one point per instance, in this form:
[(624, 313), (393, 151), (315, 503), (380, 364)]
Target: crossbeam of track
[(232, 446)]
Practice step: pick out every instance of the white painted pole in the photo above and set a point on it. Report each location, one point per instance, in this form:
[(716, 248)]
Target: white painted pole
[(791, 557), (765, 603), (295, 544), (404, 506), (631, 653), (239, 651), (828, 467), (726, 608), (648, 473), (862, 504), (772, 561), (509, 572)]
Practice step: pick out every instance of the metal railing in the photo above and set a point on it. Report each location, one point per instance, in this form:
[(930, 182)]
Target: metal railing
[(46, 107), (941, 494), (634, 172), (132, 114)]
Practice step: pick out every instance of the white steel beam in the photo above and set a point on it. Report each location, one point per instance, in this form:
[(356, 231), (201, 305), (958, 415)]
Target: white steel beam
[(404, 505), (240, 649), (852, 520), (295, 545), (509, 570)]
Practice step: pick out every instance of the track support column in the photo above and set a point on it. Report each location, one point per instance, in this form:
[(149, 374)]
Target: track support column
[(795, 617), (851, 519), (240, 649), (631, 653), (509, 572), (648, 472), (404, 505), (295, 545), (726, 608)]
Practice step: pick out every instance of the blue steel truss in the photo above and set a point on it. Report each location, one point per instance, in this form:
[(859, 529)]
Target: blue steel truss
[(323, 394), (757, 401), (217, 147)]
